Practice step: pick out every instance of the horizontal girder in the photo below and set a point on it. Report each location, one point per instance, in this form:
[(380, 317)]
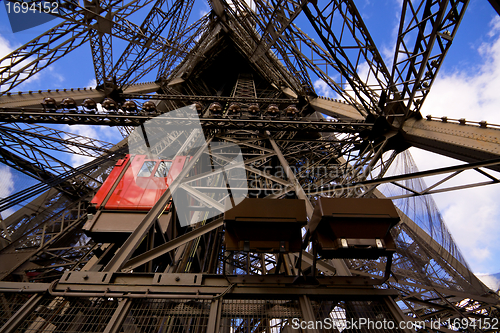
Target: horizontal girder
[(35, 98), (9, 115), (463, 142)]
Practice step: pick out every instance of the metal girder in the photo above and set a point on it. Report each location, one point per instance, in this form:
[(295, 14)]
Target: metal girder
[(291, 177), (426, 32), (19, 65), (218, 7), (114, 23), (245, 36), (309, 54), (9, 115), (336, 109), (189, 42), (471, 142), (55, 43), (278, 15), (267, 46), (351, 46), (101, 43), (171, 245), (461, 141), (463, 271), (38, 164), (38, 239), (32, 99), (38, 172), (50, 202), (210, 99), (175, 17), (454, 170), (49, 138), (70, 182), (101, 46), (17, 224), (206, 286)]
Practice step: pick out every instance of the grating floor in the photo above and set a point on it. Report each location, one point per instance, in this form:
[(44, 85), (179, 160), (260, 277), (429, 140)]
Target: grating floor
[(58, 314), (169, 316), (10, 303), (72, 314), (270, 316), (354, 316)]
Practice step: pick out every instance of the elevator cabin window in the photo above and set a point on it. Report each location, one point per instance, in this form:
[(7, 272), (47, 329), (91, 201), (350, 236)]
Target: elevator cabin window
[(163, 168), (147, 169), (149, 166)]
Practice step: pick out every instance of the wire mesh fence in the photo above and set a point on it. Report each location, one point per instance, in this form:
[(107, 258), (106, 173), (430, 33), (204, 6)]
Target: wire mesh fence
[(69, 314), (354, 316), (153, 315), (147, 315), (10, 303), (271, 316)]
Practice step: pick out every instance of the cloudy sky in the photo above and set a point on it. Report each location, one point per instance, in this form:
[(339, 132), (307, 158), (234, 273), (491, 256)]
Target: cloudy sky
[(467, 87)]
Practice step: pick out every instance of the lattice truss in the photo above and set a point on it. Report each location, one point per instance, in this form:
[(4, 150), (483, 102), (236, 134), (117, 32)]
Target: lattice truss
[(253, 55)]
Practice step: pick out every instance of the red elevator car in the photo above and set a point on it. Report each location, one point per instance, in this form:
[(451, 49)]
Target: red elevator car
[(137, 182), (132, 188)]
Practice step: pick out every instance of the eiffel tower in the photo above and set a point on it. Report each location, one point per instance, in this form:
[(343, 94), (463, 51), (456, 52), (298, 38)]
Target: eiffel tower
[(279, 217)]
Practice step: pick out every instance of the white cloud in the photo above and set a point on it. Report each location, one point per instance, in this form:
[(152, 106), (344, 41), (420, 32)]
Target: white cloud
[(104, 133), (6, 187), (58, 77), (5, 47), (495, 23), (36, 81), (6, 182), (88, 131), (92, 83), (490, 281), (323, 89), (204, 10), (472, 215), (474, 97)]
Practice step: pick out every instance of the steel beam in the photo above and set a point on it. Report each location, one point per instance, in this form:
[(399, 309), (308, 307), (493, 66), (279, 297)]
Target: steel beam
[(158, 19), (209, 99), (116, 321), (171, 245), (277, 19), (336, 109), (35, 98), (290, 175), (431, 26), (419, 174), (57, 42), (463, 142), (347, 45), (49, 138), (32, 116)]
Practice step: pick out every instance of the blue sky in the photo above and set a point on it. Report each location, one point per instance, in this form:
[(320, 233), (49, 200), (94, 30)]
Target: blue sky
[(467, 86)]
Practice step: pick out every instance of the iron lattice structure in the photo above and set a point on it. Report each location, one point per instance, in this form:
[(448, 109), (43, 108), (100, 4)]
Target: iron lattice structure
[(166, 277)]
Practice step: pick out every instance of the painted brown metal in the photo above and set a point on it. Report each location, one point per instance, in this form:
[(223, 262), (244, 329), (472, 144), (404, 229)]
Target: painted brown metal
[(268, 226)]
